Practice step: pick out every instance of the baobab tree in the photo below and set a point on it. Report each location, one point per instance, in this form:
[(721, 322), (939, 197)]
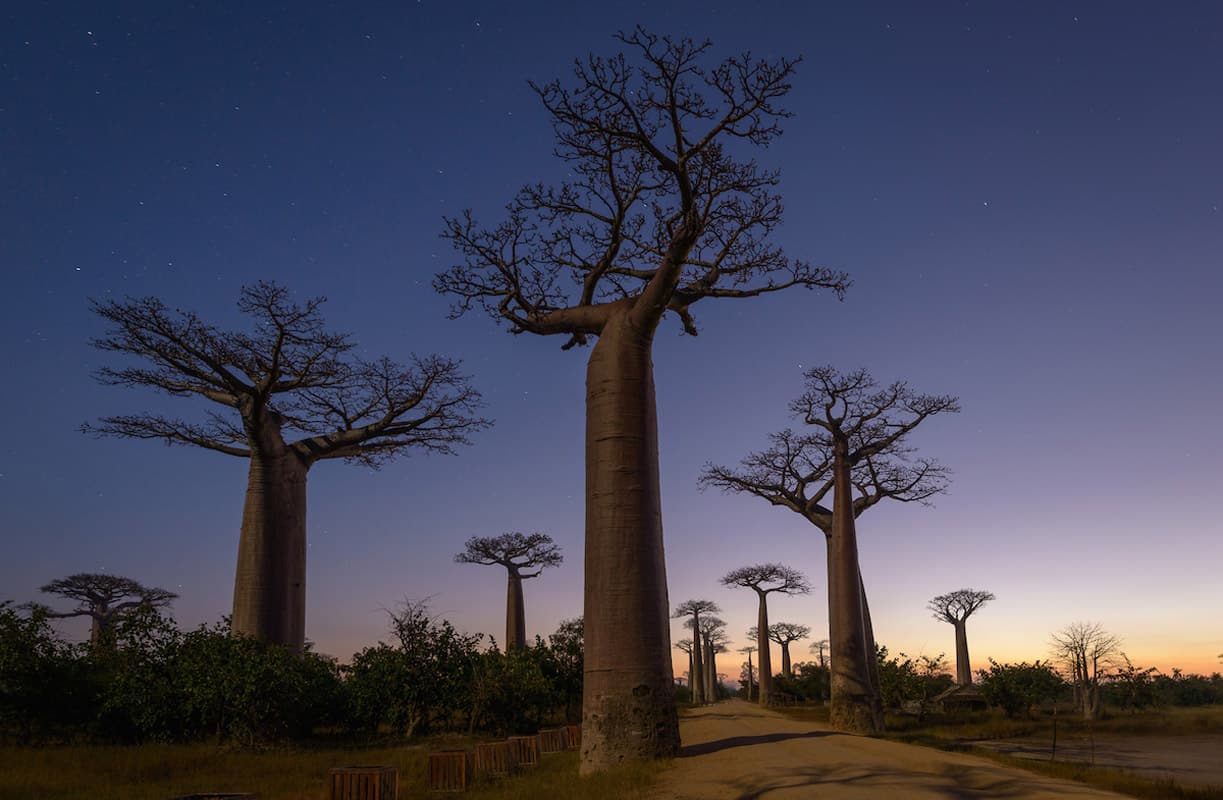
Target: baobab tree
[(287, 374), (713, 641), (858, 456), (765, 579), (685, 646), (749, 670), (691, 610), (105, 599), (1088, 652), (664, 209), (784, 634), (518, 553), (955, 608)]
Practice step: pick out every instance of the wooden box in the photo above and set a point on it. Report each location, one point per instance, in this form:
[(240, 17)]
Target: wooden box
[(450, 771), (552, 740), (364, 783), (526, 750), (573, 737), (494, 758)]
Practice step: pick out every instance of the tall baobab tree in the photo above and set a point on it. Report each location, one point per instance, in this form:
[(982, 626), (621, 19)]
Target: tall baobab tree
[(288, 374), (1088, 651), (685, 646), (518, 553), (713, 641), (691, 610), (857, 455), (955, 608), (664, 208), (105, 599), (784, 634), (765, 579), (751, 670)]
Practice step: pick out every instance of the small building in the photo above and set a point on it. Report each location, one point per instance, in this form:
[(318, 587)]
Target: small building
[(960, 698)]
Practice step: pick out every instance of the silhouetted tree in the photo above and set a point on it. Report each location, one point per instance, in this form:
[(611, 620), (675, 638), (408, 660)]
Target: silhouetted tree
[(784, 633), (764, 579), (685, 646), (955, 608), (516, 552), (713, 640), (288, 374), (1087, 651), (748, 670), (692, 611), (663, 210), (105, 599), (858, 456)]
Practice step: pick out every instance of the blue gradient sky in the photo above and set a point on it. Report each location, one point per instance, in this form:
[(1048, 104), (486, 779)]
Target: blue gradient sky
[(1027, 195)]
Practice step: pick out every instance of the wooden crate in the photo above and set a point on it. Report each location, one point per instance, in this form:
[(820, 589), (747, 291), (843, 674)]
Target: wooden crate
[(494, 758), (573, 737), (526, 750), (450, 771), (552, 740), (364, 783)]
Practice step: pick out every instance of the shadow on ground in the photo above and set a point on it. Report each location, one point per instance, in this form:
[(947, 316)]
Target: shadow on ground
[(748, 741)]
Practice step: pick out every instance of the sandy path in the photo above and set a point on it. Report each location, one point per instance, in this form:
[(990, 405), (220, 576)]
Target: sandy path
[(737, 750)]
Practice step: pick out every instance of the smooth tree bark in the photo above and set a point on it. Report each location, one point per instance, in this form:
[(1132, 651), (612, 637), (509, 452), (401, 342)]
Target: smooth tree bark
[(856, 456), (765, 579), (691, 611), (105, 599), (663, 209), (287, 376), (955, 608), (713, 641), (518, 553)]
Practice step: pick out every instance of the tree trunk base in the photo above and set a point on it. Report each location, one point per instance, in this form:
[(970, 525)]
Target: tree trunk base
[(639, 727), (854, 715)]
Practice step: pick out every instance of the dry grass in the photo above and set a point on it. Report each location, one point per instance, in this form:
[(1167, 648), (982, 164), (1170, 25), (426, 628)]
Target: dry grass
[(1115, 780), (156, 772)]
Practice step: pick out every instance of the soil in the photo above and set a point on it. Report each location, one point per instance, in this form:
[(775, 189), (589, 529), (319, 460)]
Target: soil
[(738, 750), (1195, 760)]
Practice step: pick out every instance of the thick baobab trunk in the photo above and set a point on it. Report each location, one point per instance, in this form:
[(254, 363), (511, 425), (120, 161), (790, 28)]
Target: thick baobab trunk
[(963, 672), (628, 695), (785, 660), (751, 682), (698, 662), (270, 584), (853, 695), (765, 658), (871, 648), (515, 614), (711, 673)]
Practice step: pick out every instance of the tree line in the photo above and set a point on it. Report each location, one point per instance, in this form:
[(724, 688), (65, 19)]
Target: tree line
[(149, 681)]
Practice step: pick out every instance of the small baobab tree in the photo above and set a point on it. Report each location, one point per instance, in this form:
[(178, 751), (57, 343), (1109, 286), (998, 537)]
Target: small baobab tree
[(786, 633), (955, 608), (518, 553), (713, 641), (748, 674), (691, 611), (857, 455), (765, 579), (685, 647), (289, 374), (664, 208), (1088, 653), (105, 599)]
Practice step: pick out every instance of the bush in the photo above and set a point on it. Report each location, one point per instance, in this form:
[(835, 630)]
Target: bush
[(1017, 687)]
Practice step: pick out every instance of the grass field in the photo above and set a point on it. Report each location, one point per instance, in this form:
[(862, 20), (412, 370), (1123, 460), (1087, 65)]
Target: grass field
[(157, 772)]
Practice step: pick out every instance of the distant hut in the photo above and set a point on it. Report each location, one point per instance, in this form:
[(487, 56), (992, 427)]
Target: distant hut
[(960, 698)]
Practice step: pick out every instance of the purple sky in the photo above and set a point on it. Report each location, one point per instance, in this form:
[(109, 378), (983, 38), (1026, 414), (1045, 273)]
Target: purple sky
[(1027, 195)]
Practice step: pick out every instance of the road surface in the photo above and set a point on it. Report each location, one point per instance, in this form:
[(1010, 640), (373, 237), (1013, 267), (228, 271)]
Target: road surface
[(737, 751)]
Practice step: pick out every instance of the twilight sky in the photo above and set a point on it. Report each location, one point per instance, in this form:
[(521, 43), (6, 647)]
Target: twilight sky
[(1028, 196)]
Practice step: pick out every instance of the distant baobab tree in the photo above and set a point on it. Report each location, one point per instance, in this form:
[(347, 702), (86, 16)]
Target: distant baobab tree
[(784, 634), (1087, 651), (517, 552), (665, 207), (820, 651), (685, 646), (749, 669), (856, 455), (764, 579), (289, 373), (955, 608), (692, 611), (713, 641), (105, 599)]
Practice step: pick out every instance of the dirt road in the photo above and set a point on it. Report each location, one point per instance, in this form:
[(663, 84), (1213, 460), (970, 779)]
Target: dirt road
[(737, 750)]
